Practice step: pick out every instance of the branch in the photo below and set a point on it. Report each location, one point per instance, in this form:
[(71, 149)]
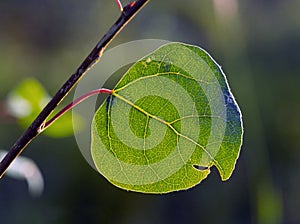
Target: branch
[(128, 12)]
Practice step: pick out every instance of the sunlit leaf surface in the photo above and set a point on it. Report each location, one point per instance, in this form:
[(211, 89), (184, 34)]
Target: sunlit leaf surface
[(169, 120)]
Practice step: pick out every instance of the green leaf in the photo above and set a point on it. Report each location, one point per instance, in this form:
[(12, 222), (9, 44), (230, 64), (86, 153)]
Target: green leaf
[(27, 100), (168, 121)]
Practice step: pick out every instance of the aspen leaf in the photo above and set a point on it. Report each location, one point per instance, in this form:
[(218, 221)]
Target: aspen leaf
[(27, 100), (169, 119)]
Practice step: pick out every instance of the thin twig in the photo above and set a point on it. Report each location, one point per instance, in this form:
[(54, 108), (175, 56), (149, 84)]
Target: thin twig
[(129, 11)]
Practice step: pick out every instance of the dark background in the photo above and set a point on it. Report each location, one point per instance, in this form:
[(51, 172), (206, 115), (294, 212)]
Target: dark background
[(257, 44)]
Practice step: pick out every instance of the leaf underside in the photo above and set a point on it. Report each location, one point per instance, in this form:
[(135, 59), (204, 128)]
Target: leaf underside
[(168, 121)]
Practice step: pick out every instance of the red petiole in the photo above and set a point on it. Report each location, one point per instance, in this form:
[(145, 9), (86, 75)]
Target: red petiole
[(73, 104)]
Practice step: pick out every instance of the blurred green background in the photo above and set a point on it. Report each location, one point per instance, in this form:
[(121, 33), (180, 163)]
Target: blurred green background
[(257, 44)]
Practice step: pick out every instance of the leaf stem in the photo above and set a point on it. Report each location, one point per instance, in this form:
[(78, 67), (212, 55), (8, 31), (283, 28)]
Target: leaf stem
[(129, 11), (120, 5), (46, 124)]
